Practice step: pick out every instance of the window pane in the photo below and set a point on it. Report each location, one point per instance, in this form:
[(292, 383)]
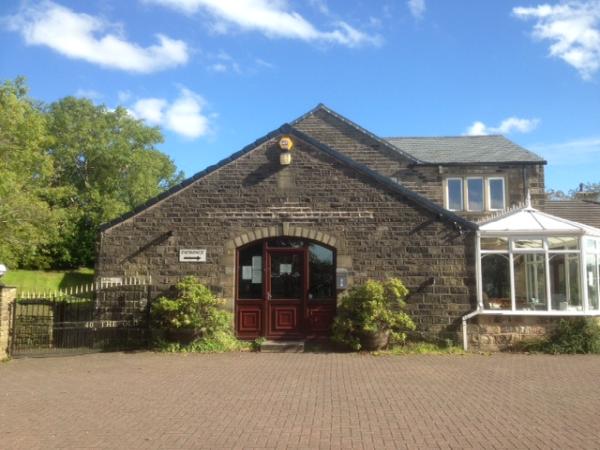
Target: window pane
[(495, 243), (530, 282), (592, 280), (497, 193), (563, 243), (475, 192), (529, 243), (495, 281), (590, 244), (455, 195), (286, 275), (321, 272), (250, 283), (564, 282), (285, 242)]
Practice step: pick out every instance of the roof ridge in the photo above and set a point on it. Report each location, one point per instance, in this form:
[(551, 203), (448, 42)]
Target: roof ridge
[(389, 145), (448, 136)]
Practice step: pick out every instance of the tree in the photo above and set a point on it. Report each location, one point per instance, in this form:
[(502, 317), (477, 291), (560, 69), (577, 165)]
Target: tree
[(27, 222), (65, 169), (107, 164)]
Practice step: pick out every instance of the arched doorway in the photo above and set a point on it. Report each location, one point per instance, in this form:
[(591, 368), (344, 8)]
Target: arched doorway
[(285, 289)]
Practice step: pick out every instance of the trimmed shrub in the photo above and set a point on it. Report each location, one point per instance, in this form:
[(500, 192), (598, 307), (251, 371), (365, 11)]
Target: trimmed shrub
[(370, 310)]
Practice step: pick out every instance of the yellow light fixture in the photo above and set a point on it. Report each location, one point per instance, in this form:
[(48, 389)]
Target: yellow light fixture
[(286, 143)]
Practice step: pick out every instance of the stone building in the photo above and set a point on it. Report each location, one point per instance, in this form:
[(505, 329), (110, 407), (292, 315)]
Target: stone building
[(282, 227)]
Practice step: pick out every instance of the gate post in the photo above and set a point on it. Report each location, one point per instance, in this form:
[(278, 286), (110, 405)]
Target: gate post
[(7, 299)]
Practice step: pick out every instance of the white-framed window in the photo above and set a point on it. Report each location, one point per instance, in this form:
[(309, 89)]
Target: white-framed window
[(534, 274), (454, 194), (475, 194), (496, 196)]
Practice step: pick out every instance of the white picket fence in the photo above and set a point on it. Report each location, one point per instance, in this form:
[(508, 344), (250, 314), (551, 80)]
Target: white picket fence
[(101, 284)]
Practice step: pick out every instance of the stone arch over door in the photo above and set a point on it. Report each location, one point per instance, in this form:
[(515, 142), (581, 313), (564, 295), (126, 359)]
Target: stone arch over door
[(229, 258)]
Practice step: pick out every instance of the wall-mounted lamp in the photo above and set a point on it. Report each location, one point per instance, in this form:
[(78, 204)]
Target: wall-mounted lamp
[(285, 144)]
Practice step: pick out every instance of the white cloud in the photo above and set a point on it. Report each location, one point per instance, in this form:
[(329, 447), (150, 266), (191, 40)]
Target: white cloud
[(123, 96), (571, 153), (82, 36), (88, 93), (183, 116), (273, 18), (573, 28), (507, 126), (150, 109), (417, 8)]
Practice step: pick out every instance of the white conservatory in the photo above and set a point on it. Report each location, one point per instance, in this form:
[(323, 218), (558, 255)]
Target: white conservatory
[(532, 263)]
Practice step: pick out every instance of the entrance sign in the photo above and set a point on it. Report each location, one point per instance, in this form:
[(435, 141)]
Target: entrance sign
[(192, 255)]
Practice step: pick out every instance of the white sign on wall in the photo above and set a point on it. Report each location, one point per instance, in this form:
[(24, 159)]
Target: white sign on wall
[(192, 255)]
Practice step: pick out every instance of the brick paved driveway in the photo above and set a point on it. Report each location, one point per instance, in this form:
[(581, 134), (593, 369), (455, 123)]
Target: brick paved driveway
[(148, 400)]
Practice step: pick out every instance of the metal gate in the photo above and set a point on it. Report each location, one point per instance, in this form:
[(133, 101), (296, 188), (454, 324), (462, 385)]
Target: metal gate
[(96, 317)]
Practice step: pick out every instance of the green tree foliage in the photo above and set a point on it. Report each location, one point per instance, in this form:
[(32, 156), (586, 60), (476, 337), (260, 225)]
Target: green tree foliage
[(66, 168), (109, 162), (26, 220)]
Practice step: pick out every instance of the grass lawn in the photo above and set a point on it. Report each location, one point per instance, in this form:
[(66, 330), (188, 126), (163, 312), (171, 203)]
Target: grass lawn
[(41, 280)]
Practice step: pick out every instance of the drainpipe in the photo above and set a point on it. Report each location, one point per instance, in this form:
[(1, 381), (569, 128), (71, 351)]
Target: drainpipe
[(464, 327)]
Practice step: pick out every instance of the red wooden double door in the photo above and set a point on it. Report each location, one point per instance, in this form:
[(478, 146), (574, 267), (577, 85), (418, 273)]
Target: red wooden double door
[(285, 289)]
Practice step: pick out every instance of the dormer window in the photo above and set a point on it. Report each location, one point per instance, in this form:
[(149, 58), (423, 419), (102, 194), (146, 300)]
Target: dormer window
[(475, 194)]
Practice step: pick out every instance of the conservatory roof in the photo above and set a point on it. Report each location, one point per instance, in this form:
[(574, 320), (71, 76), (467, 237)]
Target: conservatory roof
[(528, 220)]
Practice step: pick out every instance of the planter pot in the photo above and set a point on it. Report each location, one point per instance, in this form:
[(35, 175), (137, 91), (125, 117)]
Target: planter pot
[(375, 341), (183, 335)]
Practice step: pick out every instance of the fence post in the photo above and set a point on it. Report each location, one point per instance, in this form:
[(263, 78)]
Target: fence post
[(7, 299)]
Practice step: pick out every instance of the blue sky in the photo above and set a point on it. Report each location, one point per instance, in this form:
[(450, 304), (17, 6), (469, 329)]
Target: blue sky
[(215, 74)]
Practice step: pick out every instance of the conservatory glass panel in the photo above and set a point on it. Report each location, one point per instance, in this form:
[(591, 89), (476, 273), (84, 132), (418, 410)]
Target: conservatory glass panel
[(563, 243), (528, 244), (495, 270), (564, 282), (494, 243), (530, 282), (592, 279)]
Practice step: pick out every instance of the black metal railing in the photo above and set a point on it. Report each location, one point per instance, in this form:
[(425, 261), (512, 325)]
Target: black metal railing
[(83, 320)]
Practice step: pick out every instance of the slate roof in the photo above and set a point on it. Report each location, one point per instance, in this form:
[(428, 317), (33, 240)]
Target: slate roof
[(582, 211), (465, 150)]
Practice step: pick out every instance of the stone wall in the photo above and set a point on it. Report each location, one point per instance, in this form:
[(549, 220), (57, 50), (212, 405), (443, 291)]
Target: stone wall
[(427, 180), (376, 232), (494, 333), (7, 299)]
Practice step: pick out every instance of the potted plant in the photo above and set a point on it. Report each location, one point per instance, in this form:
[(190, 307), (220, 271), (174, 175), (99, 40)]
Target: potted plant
[(372, 315), (195, 312)]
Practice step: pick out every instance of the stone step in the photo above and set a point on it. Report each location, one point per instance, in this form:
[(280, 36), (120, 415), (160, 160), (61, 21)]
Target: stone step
[(282, 347)]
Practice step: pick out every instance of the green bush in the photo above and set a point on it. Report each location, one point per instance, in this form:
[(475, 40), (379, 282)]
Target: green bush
[(371, 308), (195, 307), (576, 335), (219, 342)]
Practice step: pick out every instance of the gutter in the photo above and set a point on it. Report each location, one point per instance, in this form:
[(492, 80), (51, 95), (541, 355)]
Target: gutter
[(464, 327)]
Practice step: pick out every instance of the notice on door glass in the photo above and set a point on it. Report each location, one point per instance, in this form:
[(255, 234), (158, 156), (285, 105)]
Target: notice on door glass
[(256, 276), (285, 269), (246, 272)]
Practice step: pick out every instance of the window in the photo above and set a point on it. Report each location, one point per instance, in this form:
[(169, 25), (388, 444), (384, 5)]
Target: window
[(475, 194), (540, 274), (455, 194), (496, 194)]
